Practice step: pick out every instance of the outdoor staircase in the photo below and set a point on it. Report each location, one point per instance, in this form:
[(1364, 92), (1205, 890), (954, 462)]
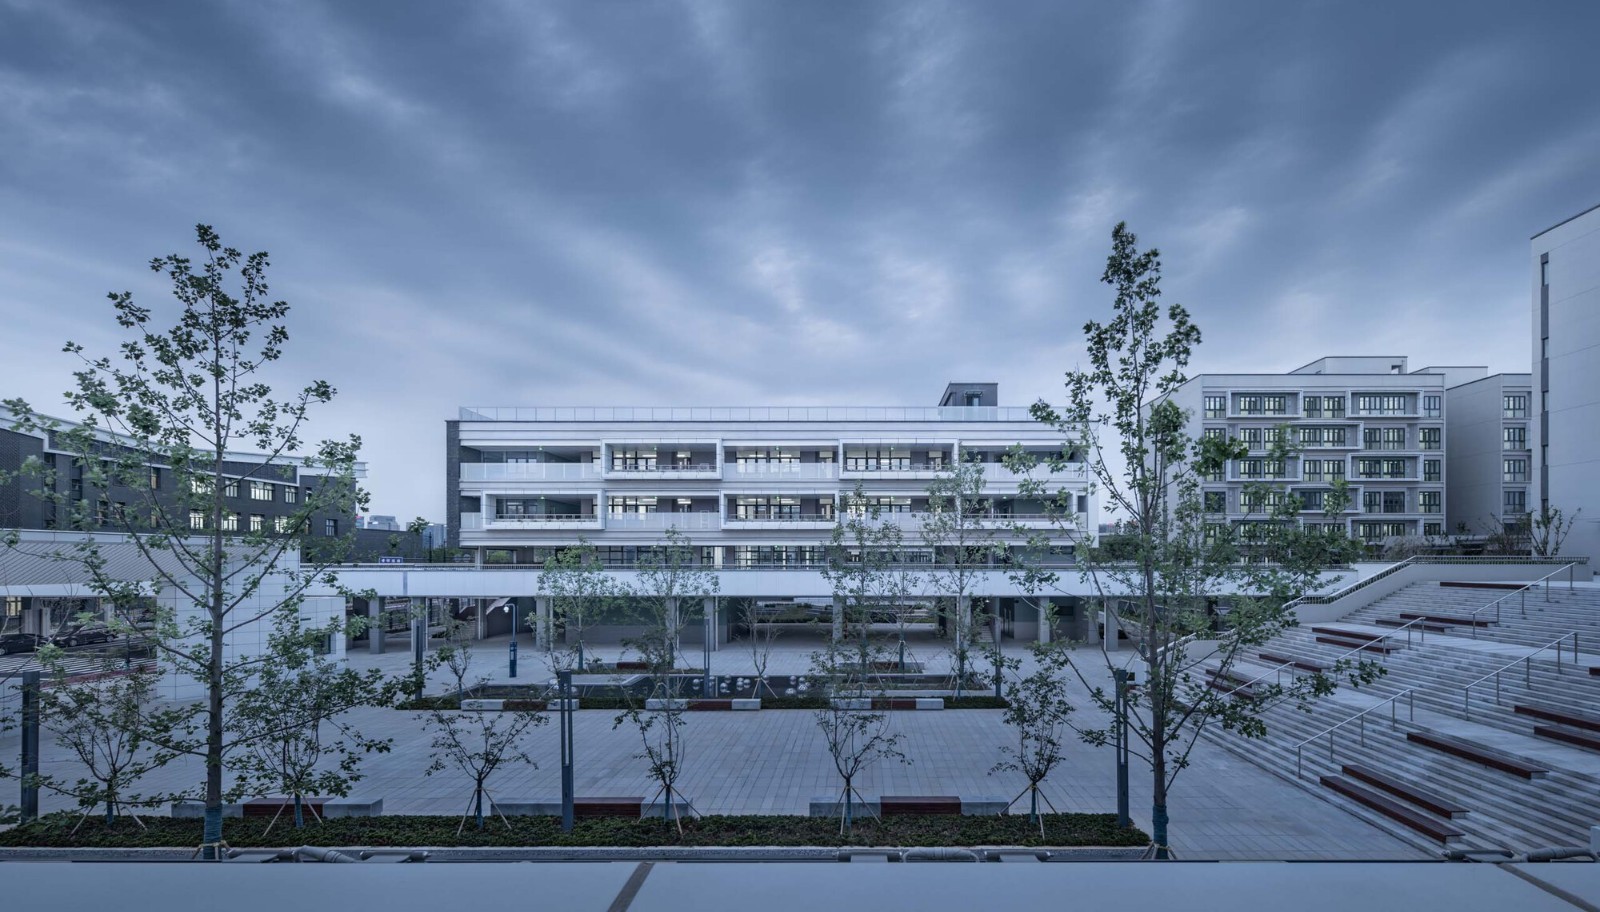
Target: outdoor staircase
[(1519, 773)]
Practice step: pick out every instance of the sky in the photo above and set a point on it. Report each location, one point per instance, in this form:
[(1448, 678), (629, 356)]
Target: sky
[(769, 203)]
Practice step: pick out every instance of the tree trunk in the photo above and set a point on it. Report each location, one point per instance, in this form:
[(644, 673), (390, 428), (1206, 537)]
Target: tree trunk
[(849, 794), (299, 815), (477, 804), (111, 811)]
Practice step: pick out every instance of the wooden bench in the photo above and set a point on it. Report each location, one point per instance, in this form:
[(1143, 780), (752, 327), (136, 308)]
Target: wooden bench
[(1430, 626), (633, 666), (1348, 634), (607, 807), (1434, 829), (1456, 585), (711, 704), (1568, 717), (1364, 645), (882, 703), (1302, 664), (1428, 801), (1595, 671), (1485, 756), (1566, 734), (1450, 619), (1238, 691), (905, 805)]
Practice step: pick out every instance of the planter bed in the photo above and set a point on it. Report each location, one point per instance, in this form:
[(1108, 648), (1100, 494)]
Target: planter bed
[(1063, 830), (615, 704)]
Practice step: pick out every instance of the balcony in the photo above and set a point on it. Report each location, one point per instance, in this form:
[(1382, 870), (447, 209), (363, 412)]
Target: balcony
[(472, 522), (656, 471), (1076, 471), (529, 471), (659, 522), (891, 468), (779, 520), (780, 471), (545, 521)]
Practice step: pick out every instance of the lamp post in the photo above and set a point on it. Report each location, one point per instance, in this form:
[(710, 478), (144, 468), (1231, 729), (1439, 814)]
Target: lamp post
[(564, 676), (1124, 679), (514, 620)]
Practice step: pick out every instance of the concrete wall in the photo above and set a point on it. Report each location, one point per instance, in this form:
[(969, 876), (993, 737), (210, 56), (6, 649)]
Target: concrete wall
[(1475, 444), (1431, 572), (1567, 313)]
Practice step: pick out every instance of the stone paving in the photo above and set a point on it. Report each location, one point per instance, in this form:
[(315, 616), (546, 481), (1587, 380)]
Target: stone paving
[(775, 762)]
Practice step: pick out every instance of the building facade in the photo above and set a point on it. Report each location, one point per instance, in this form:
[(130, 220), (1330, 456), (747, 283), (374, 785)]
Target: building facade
[(1565, 425), (1366, 420), (1489, 462), (758, 489)]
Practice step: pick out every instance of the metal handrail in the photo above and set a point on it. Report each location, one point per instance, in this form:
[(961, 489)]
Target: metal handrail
[(1527, 671), (666, 467), (1409, 693), (1353, 587), (1523, 592)]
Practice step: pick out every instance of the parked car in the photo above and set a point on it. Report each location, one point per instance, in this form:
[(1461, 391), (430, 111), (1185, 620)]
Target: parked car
[(83, 635), (20, 642)]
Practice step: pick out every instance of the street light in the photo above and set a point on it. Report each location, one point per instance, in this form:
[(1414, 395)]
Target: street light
[(564, 676), (1124, 679)]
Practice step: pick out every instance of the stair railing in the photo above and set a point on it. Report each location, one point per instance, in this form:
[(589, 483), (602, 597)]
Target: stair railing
[(1522, 593), (1361, 719), (1527, 670)]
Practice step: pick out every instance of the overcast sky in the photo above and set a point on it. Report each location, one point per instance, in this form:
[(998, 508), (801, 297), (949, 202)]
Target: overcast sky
[(743, 203)]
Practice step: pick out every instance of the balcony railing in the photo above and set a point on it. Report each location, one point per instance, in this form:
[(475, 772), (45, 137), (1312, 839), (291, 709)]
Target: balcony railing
[(781, 471), (889, 466), (783, 518), (663, 468), (825, 413), (545, 520), (529, 471), (1371, 445), (688, 522), (472, 522)]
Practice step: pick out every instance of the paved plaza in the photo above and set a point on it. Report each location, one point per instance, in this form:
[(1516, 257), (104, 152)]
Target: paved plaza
[(774, 761)]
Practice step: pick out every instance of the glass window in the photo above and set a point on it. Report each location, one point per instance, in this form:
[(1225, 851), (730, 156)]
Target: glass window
[(260, 490), (1430, 469), (291, 494), (1517, 501), (1433, 528), (197, 519), (1429, 438), (1429, 501), (1215, 433), (1516, 438), (1216, 501), (257, 522), (1216, 406), (1516, 405), (1312, 500), (1250, 405), (330, 527), (230, 487), (1432, 406), (1516, 470), (280, 524), (230, 522)]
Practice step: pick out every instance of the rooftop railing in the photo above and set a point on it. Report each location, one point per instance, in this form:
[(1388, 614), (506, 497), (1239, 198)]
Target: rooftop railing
[(829, 413)]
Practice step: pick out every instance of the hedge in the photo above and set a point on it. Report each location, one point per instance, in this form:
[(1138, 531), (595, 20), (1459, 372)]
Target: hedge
[(1065, 830)]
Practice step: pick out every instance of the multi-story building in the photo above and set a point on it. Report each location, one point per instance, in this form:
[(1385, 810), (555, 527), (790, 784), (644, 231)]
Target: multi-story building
[(1565, 425), (752, 488), (1489, 466), (1366, 420)]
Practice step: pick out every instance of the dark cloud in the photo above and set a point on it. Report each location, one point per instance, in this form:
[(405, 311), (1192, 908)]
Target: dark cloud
[(750, 202)]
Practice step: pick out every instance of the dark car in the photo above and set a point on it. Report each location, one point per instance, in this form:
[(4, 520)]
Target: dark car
[(20, 642), (82, 635)]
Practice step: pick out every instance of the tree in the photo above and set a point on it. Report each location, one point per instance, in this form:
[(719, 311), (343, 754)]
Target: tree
[(1548, 530), (418, 528), (668, 575), (865, 567), (581, 591), (181, 399), (1037, 710), (961, 530), (856, 734), (107, 724), (293, 723), (1174, 563), (477, 743), (761, 636)]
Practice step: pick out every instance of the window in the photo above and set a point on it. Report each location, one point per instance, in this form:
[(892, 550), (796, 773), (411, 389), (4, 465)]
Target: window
[(1433, 528), (199, 485), (1216, 406), (1322, 436), (1275, 468), (230, 522), (1216, 501), (1372, 404), (291, 494), (1311, 469), (1516, 405), (1430, 469), (1260, 501), (635, 460), (1250, 405), (1517, 501), (1378, 531), (260, 490), (1516, 470), (1429, 438), (1432, 406), (330, 527), (280, 524), (1389, 438), (1275, 405), (1215, 434), (1250, 437), (1516, 438), (1312, 500), (1544, 273), (1430, 501), (1272, 435), (258, 522), (1250, 468), (230, 487), (623, 506), (197, 519), (883, 459), (155, 479), (973, 398)]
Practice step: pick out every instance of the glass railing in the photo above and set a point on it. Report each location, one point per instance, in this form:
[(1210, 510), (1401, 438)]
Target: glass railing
[(780, 471), (529, 471), (828, 413)]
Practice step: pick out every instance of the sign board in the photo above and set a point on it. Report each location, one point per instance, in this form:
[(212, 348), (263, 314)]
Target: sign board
[(391, 560)]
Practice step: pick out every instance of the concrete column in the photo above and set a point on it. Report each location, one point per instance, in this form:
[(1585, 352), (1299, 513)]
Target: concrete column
[(838, 619), (542, 628), (375, 625), (713, 628), (1046, 621), (1113, 642), (480, 622)]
